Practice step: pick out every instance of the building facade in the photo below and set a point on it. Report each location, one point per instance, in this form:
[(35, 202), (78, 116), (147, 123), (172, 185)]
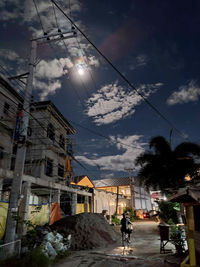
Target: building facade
[(49, 152), (48, 143), (129, 193)]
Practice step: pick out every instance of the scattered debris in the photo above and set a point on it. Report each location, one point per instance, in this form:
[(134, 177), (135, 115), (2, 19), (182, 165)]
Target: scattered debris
[(51, 243), (89, 230), (54, 243)]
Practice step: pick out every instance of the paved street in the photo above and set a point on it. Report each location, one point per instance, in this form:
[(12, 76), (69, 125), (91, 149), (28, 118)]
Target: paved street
[(143, 251)]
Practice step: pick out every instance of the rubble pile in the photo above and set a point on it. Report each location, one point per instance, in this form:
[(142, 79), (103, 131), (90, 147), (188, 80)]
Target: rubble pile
[(52, 243), (88, 230)]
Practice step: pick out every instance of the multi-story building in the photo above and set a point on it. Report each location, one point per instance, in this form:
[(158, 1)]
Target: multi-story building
[(47, 169), (49, 146), (10, 102)]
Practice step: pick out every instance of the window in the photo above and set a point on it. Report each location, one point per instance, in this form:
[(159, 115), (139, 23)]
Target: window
[(1, 152), (50, 131), (60, 170), (49, 167), (62, 141), (6, 108)]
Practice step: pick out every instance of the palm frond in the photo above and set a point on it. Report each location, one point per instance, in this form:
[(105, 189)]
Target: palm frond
[(160, 145), (144, 158), (187, 148)]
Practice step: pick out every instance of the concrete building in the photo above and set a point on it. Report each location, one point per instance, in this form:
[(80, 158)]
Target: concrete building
[(48, 143), (10, 102), (47, 170)]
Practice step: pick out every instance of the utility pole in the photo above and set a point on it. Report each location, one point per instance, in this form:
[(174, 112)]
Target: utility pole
[(21, 151), (20, 157), (117, 200), (132, 187)]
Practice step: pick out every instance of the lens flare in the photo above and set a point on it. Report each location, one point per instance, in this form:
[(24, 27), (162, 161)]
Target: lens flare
[(81, 68), (81, 71)]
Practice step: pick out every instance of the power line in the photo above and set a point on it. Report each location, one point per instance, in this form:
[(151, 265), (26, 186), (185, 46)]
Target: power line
[(94, 132), (54, 12), (39, 16), (85, 88), (104, 136), (13, 81), (90, 171), (120, 74)]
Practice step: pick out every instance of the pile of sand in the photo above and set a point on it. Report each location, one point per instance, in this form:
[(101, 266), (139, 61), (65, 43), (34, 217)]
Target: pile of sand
[(89, 230)]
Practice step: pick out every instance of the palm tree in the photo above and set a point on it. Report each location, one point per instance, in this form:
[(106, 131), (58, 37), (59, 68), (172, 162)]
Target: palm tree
[(164, 168)]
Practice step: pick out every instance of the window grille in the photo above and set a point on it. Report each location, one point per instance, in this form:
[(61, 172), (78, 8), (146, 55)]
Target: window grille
[(62, 141), (60, 170), (6, 108), (50, 131), (49, 167)]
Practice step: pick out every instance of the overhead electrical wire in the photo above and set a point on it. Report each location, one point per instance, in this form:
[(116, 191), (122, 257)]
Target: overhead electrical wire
[(34, 1), (89, 170), (104, 136), (84, 57), (68, 80), (105, 58), (37, 120), (120, 74), (94, 132), (46, 131), (13, 81)]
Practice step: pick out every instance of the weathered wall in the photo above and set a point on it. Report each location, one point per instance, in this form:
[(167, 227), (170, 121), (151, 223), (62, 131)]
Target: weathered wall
[(104, 201)]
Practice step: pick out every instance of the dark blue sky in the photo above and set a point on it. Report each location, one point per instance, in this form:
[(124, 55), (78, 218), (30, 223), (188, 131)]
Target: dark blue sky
[(155, 44)]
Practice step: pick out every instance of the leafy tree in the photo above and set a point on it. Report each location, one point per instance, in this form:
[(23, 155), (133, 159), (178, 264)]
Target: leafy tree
[(166, 169), (168, 211)]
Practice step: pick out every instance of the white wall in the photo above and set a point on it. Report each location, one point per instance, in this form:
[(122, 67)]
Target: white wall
[(104, 200), (142, 199)]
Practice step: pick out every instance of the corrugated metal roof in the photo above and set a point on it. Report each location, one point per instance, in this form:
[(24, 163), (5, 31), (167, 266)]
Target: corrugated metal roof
[(113, 182), (187, 196)]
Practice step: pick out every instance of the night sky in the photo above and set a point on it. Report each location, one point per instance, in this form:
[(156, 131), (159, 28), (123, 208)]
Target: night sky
[(154, 44)]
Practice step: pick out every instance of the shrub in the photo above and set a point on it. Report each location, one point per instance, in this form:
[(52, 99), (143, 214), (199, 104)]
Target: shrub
[(35, 258), (168, 210), (116, 220)]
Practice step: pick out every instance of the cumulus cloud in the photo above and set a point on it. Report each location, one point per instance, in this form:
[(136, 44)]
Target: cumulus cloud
[(129, 148), (47, 88), (52, 68), (15, 10), (48, 70), (185, 94), (10, 55), (47, 73), (112, 102)]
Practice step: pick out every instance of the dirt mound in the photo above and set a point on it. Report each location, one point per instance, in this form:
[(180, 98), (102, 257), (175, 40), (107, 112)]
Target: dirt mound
[(89, 230)]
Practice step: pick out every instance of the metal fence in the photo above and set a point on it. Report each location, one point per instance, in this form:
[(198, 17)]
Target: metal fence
[(10, 249)]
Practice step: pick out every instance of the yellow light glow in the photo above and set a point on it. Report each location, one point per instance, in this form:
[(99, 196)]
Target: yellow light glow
[(187, 178)]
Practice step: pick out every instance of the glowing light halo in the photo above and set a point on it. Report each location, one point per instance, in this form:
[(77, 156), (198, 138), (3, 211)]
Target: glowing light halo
[(81, 67), (81, 71)]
